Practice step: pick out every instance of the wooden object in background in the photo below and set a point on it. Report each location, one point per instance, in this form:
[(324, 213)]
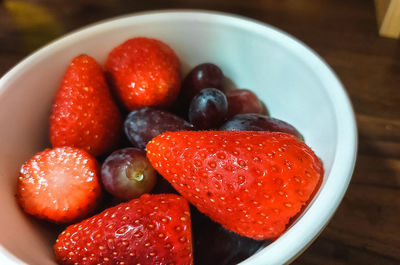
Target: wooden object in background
[(365, 229), (388, 16)]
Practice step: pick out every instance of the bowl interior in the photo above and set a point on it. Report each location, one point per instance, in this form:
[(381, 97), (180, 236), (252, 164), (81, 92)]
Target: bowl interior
[(294, 83)]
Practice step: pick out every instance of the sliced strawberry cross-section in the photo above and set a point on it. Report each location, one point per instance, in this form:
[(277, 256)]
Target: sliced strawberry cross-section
[(59, 185)]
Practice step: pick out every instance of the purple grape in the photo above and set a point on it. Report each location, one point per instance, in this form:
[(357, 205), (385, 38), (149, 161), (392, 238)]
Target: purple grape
[(202, 76), (144, 124), (218, 245), (258, 122), (242, 101), (127, 173), (208, 109)]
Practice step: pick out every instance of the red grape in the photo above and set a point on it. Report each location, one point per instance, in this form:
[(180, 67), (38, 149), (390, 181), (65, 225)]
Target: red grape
[(242, 101), (205, 75), (144, 124), (208, 109), (258, 122), (215, 244), (127, 173)]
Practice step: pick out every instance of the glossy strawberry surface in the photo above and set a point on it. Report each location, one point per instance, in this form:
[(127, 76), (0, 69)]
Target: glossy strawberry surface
[(84, 114), (144, 72), (250, 182), (154, 229)]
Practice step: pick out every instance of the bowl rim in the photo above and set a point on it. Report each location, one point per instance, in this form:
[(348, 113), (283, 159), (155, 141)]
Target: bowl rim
[(326, 201)]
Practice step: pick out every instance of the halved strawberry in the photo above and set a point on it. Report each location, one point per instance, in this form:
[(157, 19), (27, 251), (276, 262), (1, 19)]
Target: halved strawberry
[(59, 185), (83, 113), (154, 229), (250, 182)]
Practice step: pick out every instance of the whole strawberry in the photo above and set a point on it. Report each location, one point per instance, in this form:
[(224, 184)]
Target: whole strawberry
[(83, 113), (154, 229), (250, 182), (59, 184), (144, 72)]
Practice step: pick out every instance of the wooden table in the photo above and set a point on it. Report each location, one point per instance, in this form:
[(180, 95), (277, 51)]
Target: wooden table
[(366, 227)]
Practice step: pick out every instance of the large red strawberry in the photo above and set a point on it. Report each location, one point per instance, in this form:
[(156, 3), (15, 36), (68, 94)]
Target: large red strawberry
[(144, 72), (84, 114), (154, 229), (250, 182), (60, 184)]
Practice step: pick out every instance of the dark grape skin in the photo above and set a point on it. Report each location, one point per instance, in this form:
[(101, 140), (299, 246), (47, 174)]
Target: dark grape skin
[(208, 109), (258, 122), (214, 244), (127, 173), (242, 101), (144, 124), (163, 187), (202, 76)]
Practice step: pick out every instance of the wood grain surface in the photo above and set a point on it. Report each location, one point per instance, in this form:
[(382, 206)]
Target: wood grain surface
[(366, 227)]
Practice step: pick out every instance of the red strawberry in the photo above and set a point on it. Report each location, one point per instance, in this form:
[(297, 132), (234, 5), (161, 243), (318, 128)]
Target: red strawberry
[(84, 114), (145, 72), (154, 229), (250, 182), (60, 184)]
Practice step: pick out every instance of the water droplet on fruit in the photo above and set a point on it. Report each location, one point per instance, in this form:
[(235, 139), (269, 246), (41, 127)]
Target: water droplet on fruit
[(242, 163), (241, 179), (212, 165), (168, 245)]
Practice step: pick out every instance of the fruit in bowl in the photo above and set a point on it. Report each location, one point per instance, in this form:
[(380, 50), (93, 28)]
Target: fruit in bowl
[(250, 182), (248, 227)]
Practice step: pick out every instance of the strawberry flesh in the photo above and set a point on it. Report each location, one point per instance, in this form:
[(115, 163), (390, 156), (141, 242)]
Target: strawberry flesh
[(59, 185)]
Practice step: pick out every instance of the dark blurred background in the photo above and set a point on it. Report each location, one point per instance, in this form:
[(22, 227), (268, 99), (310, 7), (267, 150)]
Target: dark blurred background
[(365, 229)]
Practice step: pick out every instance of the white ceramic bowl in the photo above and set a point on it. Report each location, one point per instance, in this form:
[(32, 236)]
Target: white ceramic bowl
[(295, 84)]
